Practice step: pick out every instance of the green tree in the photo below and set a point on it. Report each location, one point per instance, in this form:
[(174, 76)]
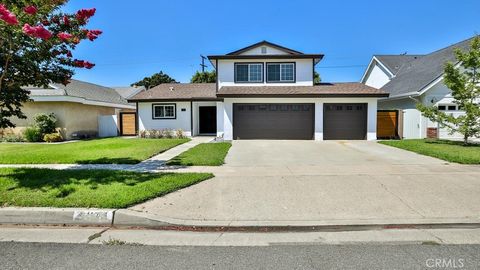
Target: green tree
[(204, 77), (464, 81), (316, 78), (154, 80), (36, 43)]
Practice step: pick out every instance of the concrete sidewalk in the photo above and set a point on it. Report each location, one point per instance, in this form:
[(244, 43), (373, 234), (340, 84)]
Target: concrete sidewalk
[(153, 164)]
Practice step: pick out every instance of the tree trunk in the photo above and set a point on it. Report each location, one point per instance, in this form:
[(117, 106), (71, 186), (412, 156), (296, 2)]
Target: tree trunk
[(465, 139)]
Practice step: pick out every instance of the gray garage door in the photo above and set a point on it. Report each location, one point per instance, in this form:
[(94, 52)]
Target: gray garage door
[(273, 121), (344, 121)]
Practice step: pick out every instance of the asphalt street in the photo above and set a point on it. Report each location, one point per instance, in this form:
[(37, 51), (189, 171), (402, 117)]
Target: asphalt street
[(83, 256)]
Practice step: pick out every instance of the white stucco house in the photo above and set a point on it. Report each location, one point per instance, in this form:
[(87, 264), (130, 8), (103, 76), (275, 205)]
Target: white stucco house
[(415, 78), (263, 91)]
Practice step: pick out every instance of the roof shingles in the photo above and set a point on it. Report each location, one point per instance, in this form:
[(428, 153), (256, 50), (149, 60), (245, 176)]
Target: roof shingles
[(323, 89), (207, 91), (420, 72), (178, 91)]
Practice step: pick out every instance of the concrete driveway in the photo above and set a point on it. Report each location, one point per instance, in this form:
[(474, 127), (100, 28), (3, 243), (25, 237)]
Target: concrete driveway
[(333, 182)]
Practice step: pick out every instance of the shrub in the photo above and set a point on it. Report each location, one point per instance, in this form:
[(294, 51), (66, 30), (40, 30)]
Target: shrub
[(162, 133), (168, 133), (45, 123), (180, 134), (13, 138), (53, 137), (32, 134)]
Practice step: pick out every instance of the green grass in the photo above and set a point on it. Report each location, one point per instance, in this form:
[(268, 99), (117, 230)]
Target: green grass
[(87, 188), (98, 151), (205, 154), (452, 151)]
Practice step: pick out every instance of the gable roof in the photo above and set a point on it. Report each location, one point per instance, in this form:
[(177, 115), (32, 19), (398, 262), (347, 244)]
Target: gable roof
[(178, 91), (417, 74), (290, 54), (128, 91), (82, 90), (395, 62), (264, 43)]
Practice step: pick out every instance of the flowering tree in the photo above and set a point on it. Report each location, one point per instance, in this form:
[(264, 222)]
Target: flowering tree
[(36, 44)]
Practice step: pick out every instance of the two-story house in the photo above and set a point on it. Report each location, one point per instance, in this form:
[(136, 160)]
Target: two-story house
[(263, 91)]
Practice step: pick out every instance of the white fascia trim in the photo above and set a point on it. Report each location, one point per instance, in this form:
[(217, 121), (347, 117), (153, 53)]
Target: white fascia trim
[(436, 81), (385, 67), (367, 70), (404, 95), (430, 85), (79, 100), (375, 60)]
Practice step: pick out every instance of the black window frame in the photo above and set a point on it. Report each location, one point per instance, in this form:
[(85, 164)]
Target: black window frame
[(280, 63), (248, 70), (164, 104)]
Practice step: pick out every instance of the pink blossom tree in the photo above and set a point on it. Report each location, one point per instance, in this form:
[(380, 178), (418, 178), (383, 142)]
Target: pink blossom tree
[(36, 44)]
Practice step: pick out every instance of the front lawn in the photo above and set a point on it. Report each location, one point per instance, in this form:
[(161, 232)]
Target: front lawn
[(88, 188), (205, 154), (452, 151), (98, 151)]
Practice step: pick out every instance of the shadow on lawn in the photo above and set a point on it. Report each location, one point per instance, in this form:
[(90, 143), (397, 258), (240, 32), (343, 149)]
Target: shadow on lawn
[(449, 142), (106, 160), (46, 179)]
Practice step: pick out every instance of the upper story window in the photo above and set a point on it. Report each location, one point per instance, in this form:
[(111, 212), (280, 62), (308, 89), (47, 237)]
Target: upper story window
[(248, 72), (448, 107), (163, 111), (280, 72)]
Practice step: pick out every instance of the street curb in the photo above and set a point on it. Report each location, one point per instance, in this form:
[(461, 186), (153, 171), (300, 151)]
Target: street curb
[(122, 218), (56, 216)]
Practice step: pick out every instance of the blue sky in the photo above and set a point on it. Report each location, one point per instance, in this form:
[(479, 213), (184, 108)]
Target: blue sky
[(145, 36)]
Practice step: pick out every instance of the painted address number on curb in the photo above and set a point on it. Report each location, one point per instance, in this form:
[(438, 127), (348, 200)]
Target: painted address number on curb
[(93, 215)]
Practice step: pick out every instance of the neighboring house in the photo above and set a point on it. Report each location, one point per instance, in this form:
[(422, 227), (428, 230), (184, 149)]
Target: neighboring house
[(415, 78), (82, 109), (263, 91)]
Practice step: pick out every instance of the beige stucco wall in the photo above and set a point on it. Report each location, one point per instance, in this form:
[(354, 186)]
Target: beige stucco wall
[(72, 117)]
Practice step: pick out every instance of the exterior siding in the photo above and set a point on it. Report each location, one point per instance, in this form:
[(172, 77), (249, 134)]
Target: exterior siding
[(226, 72), (377, 77), (182, 120), (258, 51)]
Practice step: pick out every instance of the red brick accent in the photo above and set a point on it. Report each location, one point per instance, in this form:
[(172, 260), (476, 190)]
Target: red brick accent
[(432, 133)]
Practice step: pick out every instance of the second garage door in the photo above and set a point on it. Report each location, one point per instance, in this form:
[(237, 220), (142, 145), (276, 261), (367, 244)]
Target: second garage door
[(345, 121), (273, 121)]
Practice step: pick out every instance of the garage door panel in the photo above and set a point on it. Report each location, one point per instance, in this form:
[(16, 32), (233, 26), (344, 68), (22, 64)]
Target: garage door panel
[(345, 121), (273, 121)]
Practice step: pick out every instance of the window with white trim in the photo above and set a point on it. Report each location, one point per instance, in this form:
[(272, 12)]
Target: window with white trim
[(248, 72), (163, 111), (280, 72), (448, 107)]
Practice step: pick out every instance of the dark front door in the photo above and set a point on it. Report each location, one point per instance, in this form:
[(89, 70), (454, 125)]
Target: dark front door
[(208, 120), (345, 121), (273, 121)]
